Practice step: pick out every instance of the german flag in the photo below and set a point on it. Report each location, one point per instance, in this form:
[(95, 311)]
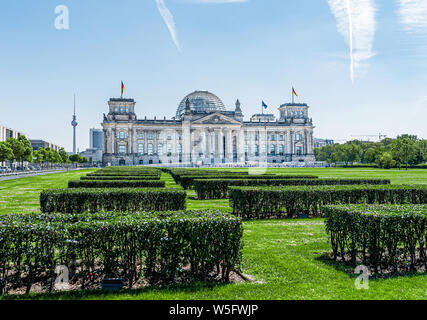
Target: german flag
[(123, 88), (294, 92)]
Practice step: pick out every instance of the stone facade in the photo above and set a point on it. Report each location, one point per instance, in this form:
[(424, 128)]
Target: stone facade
[(205, 133)]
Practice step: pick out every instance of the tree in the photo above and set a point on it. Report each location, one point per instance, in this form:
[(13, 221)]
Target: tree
[(18, 148), (370, 155), (6, 152), (64, 155), (84, 160), (39, 155), (386, 161), (28, 149), (404, 151), (422, 147), (75, 158)]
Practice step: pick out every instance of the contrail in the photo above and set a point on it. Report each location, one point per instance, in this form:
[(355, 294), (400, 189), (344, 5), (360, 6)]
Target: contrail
[(350, 34), (169, 20), (356, 23)]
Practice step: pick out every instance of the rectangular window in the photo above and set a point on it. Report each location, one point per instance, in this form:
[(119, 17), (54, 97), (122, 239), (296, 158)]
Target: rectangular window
[(141, 136), (122, 149), (273, 138), (150, 136), (140, 149), (159, 149), (299, 151), (169, 137), (150, 149), (256, 137), (282, 137), (159, 136)]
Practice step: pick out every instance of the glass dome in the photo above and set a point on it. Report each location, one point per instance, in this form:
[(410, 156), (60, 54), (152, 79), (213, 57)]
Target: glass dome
[(201, 101)]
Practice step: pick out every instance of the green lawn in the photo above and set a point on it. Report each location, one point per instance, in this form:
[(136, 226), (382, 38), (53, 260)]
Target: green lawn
[(287, 258)]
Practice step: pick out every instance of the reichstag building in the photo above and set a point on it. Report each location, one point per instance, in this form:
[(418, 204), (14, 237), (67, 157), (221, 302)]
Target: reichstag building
[(204, 132)]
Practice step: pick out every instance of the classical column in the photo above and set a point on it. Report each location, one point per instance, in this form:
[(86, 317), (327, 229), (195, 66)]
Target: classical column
[(208, 141), (241, 146), (186, 142), (229, 146)]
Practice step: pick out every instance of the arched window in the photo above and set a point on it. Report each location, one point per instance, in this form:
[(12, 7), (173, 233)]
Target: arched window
[(299, 151), (169, 150), (122, 109), (272, 149), (160, 149), (150, 149), (281, 149)]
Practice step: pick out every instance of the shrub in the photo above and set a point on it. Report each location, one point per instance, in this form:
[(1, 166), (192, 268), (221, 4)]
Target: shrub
[(385, 237), (120, 178), (153, 246), (265, 202), (188, 181), (121, 199), (123, 174), (218, 188), (116, 184)]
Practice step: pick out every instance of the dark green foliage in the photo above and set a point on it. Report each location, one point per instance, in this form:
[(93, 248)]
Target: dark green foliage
[(121, 199), (218, 188), (384, 237), (116, 184), (155, 247), (120, 178), (266, 202), (188, 181)]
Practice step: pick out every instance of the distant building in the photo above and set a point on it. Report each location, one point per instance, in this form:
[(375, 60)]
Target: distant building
[(93, 155), (37, 144), (96, 139), (319, 143), (6, 133)]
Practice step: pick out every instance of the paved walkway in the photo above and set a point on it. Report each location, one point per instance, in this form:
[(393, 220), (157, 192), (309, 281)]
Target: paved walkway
[(12, 177)]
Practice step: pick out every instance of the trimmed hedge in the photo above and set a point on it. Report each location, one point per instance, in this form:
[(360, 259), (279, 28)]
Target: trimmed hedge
[(384, 237), (266, 202), (188, 181), (121, 199), (120, 178), (116, 184), (218, 188), (156, 247), (123, 174)]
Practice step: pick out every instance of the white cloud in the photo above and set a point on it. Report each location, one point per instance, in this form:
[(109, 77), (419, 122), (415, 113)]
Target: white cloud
[(169, 20), (356, 22), (413, 14)]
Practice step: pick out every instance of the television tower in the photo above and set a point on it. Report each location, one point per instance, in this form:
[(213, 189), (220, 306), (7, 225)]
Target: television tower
[(74, 124)]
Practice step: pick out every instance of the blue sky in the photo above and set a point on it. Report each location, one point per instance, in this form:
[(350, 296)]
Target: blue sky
[(253, 50)]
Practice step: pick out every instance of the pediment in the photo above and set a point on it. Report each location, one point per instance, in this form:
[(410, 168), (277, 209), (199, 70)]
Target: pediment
[(216, 118)]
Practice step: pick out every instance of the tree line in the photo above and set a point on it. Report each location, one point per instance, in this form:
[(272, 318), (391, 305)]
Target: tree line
[(19, 150), (404, 151)]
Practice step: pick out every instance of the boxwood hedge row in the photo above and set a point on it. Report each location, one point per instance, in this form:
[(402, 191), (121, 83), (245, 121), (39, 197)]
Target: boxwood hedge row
[(218, 188), (111, 199), (265, 202), (154, 247), (384, 237), (120, 178), (123, 174), (116, 184), (188, 181)]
